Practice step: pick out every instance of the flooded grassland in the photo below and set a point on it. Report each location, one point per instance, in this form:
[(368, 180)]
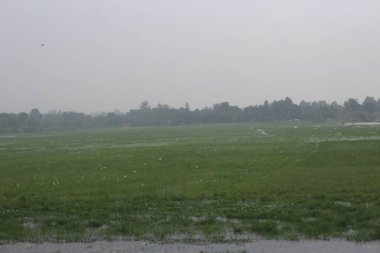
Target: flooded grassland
[(203, 184)]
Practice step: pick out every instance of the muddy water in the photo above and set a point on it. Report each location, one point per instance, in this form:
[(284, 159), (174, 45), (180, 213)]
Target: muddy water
[(259, 246)]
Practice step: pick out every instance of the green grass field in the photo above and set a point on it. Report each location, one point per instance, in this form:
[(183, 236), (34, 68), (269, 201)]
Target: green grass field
[(273, 180)]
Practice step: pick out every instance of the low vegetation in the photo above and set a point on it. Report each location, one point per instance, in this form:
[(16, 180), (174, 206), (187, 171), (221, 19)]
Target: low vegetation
[(207, 182)]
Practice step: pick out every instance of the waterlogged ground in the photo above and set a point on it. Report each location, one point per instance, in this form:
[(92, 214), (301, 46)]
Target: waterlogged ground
[(218, 183)]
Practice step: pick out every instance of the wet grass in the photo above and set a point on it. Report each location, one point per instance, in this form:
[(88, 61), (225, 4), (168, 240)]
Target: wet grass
[(191, 183)]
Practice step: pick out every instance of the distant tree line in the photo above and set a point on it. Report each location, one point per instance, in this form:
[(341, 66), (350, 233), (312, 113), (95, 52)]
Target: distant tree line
[(145, 115)]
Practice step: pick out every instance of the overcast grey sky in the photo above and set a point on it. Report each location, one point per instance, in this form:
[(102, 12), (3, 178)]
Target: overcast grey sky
[(101, 55)]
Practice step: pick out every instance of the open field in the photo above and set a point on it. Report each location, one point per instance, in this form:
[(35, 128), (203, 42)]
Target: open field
[(212, 182)]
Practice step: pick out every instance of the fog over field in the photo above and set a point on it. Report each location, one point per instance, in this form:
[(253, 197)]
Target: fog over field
[(98, 55)]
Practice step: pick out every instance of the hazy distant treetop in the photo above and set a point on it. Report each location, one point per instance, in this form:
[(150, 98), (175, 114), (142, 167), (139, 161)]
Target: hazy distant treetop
[(351, 105), (145, 105), (369, 104)]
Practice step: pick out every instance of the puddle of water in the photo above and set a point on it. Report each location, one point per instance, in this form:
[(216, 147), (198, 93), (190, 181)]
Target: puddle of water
[(108, 146), (261, 131), (7, 136), (338, 139), (361, 123)]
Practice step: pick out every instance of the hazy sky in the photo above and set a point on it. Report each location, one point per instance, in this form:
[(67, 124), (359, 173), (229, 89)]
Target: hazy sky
[(101, 55)]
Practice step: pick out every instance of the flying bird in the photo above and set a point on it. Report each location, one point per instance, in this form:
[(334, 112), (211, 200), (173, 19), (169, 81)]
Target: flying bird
[(42, 45)]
